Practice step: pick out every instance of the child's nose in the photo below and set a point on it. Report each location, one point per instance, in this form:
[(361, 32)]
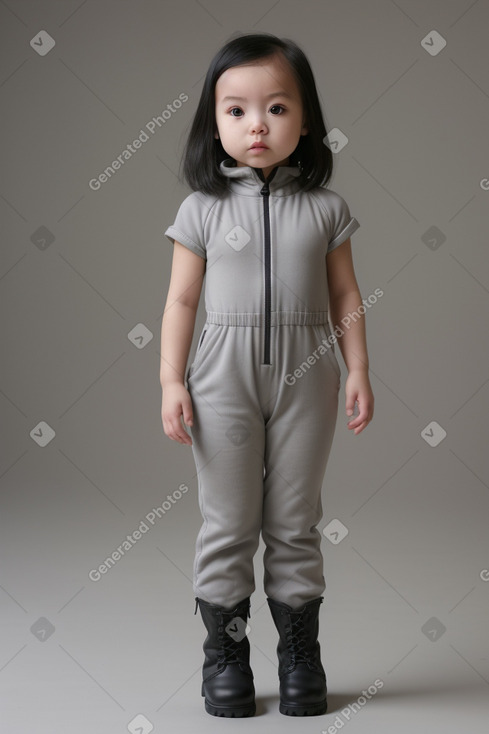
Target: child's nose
[(258, 126)]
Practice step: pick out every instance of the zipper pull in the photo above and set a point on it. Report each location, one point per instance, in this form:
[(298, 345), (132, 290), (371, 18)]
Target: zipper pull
[(265, 190)]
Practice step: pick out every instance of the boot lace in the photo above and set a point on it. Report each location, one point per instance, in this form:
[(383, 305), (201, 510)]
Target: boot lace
[(295, 633), (231, 650)]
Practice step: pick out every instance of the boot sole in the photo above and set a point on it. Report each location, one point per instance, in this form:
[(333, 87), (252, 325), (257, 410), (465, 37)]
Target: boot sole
[(230, 711), (315, 709)]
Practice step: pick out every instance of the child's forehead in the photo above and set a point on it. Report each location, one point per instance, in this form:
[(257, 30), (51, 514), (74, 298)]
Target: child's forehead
[(273, 75)]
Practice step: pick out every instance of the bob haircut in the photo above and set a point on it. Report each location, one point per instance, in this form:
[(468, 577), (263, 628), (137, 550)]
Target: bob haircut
[(203, 153)]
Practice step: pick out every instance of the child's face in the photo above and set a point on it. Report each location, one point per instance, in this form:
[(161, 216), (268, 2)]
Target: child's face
[(277, 120)]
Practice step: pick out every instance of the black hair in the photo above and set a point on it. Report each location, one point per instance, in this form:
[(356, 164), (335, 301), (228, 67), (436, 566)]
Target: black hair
[(203, 153)]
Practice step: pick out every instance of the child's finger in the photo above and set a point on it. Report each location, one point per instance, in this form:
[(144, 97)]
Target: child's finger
[(178, 432), (188, 417), (350, 404)]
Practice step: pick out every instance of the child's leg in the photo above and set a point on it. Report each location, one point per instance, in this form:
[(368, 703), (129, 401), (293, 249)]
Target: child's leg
[(230, 498), (299, 435), (228, 447)]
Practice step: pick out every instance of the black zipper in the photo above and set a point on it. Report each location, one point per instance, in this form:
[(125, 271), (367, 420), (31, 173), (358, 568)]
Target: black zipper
[(265, 192)]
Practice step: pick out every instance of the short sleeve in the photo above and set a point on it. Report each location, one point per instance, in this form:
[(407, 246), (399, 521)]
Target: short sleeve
[(188, 227), (343, 225)]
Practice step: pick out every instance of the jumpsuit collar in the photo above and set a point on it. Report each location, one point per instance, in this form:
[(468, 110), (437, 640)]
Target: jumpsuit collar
[(248, 181)]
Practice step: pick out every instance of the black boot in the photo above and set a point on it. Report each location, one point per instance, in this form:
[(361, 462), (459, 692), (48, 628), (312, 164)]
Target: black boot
[(227, 679), (302, 677)]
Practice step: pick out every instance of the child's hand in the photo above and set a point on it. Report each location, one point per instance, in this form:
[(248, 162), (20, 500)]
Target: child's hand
[(176, 401), (357, 388)]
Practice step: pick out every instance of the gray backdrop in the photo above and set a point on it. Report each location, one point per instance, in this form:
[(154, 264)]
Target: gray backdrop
[(84, 276)]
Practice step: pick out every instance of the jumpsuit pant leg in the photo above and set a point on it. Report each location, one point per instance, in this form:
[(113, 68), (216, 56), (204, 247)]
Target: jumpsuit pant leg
[(299, 434), (261, 446), (228, 436)]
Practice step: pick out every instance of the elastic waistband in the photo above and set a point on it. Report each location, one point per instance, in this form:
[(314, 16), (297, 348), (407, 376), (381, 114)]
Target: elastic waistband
[(278, 318)]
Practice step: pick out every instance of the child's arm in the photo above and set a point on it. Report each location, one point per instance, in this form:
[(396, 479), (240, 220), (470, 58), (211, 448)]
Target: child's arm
[(344, 300), (177, 328)]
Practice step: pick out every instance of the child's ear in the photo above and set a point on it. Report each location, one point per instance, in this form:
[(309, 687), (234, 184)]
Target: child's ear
[(216, 135)]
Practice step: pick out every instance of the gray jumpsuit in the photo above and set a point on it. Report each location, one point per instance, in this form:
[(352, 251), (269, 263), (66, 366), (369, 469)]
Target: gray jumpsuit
[(264, 381)]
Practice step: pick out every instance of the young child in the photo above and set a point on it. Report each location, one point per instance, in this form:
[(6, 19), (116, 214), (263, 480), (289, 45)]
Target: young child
[(261, 399)]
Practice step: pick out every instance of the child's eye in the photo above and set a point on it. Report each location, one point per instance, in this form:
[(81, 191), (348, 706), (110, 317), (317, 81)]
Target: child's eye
[(273, 107)]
